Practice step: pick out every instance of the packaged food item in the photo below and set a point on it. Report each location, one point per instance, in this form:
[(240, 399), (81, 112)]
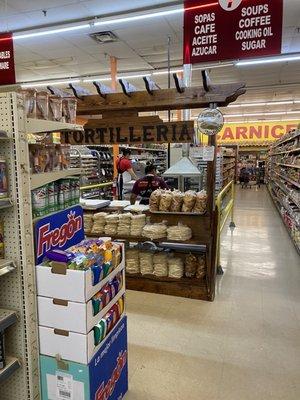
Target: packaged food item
[(121, 305), (176, 267), (42, 105), (39, 199), (179, 233), (201, 267), (155, 231), (177, 201), (51, 198), (111, 226), (165, 201), (99, 223), (132, 261), (3, 179), (189, 200), (160, 264), (55, 108), (146, 262), (155, 200), (191, 264), (69, 107), (124, 225), (2, 248), (137, 224), (100, 331), (29, 99), (201, 202)]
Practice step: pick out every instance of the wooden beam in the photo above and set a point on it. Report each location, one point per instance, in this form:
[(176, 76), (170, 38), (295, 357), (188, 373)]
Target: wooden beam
[(165, 99), (100, 123)]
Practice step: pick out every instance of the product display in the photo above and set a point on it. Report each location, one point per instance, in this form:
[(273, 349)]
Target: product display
[(111, 227), (137, 224), (124, 225), (3, 179), (98, 222), (132, 261), (48, 158), (146, 262), (160, 264), (180, 233), (176, 201), (155, 231), (55, 196), (102, 298), (284, 182), (41, 105)]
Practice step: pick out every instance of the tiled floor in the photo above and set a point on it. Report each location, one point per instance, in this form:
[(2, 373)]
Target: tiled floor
[(245, 345)]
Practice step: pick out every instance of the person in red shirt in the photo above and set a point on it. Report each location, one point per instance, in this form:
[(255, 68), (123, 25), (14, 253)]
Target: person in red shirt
[(145, 186), (124, 165)]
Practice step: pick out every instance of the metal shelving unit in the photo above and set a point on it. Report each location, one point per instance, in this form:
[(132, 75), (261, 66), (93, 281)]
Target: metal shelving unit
[(20, 378), (284, 182), (38, 180)]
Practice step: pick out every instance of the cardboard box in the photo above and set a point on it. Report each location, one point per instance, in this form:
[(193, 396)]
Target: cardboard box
[(104, 378), (72, 285), (70, 346), (71, 316)]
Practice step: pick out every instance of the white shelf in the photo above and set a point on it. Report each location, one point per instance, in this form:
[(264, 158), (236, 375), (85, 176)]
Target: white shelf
[(12, 364), (6, 266), (38, 180), (41, 125)]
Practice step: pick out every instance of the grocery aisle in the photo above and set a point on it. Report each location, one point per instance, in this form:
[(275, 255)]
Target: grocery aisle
[(245, 345)]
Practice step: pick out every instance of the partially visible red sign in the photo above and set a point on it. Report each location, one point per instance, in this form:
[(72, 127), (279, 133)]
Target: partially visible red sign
[(231, 29), (7, 63)]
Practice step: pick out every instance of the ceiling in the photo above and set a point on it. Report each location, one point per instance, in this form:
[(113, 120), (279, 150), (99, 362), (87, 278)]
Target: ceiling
[(142, 46)]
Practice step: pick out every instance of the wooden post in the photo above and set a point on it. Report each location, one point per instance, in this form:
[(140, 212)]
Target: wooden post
[(113, 74)]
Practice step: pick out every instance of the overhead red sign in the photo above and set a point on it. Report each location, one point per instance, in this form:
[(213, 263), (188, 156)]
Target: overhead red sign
[(7, 63), (231, 29)]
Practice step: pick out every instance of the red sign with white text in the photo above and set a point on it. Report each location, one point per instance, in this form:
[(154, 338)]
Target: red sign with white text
[(7, 63), (216, 30)]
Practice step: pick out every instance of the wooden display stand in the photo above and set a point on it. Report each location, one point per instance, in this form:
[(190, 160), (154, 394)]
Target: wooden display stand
[(132, 129)]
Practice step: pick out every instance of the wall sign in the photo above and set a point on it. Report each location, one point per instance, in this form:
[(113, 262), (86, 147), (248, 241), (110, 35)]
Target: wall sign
[(171, 132), (7, 64), (231, 29), (58, 231), (256, 133)]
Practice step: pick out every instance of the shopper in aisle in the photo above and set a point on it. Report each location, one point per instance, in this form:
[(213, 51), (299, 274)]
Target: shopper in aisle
[(145, 186), (124, 166)]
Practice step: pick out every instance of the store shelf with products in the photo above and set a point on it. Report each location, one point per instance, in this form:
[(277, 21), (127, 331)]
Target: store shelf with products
[(97, 166), (284, 182), (38, 180), (156, 155), (229, 164), (34, 125)]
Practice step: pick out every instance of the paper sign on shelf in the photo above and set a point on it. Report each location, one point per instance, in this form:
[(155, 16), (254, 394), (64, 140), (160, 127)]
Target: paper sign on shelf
[(58, 231), (208, 153), (64, 386), (231, 29), (7, 63)]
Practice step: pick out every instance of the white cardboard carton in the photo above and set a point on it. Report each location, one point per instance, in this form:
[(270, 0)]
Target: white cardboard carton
[(71, 316), (73, 286), (74, 347)]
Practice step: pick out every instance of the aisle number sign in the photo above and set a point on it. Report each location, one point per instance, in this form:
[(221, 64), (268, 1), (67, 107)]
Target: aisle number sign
[(256, 133), (7, 64), (216, 30)]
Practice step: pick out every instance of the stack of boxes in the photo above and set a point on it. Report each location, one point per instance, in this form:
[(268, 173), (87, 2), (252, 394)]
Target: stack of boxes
[(78, 358)]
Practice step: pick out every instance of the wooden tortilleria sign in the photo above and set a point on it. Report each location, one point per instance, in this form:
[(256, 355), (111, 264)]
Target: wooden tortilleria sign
[(170, 132)]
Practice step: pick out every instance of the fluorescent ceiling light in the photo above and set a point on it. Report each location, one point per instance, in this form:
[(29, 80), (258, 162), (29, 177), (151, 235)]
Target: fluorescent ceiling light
[(96, 80), (261, 114), (139, 17), (268, 60), (49, 83), (269, 103), (50, 32), (133, 76)]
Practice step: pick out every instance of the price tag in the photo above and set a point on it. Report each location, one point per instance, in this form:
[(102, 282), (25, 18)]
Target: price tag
[(64, 386), (208, 153)]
